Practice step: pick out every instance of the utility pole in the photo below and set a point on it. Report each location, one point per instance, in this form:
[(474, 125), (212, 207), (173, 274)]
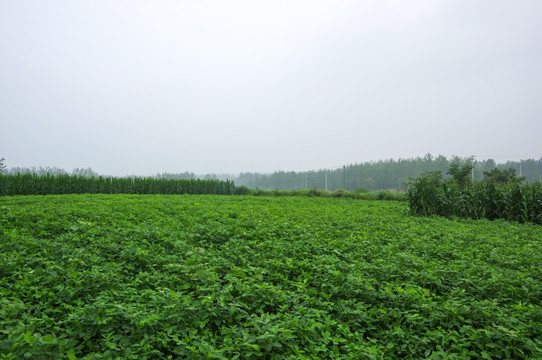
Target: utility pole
[(326, 179), (306, 182)]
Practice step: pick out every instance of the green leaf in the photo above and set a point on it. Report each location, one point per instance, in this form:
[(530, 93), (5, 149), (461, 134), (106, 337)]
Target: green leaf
[(47, 338), (29, 338), (111, 345), (71, 354)]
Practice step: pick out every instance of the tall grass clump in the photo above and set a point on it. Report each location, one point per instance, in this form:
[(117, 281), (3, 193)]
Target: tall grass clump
[(498, 196), (33, 184)]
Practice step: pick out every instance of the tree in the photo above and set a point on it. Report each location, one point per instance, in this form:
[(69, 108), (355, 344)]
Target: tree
[(433, 178), (370, 183), (501, 177), (2, 166), (460, 173), (85, 172)]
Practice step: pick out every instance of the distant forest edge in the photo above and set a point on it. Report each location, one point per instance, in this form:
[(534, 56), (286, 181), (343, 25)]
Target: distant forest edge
[(371, 176), (381, 175)]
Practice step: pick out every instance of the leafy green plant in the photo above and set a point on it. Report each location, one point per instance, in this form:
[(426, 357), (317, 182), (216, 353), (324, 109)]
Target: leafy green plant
[(500, 196), (222, 277)]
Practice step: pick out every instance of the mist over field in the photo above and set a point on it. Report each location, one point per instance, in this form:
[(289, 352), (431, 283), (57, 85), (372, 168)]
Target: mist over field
[(234, 87)]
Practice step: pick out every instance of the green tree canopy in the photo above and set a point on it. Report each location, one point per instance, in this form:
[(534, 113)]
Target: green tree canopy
[(502, 176), (460, 173)]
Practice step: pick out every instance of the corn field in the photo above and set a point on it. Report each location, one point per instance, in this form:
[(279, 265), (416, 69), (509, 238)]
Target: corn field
[(32, 184), (514, 202)]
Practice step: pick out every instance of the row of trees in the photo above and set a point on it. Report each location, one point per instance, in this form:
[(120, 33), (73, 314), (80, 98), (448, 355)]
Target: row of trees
[(382, 175), (372, 176), (86, 172)]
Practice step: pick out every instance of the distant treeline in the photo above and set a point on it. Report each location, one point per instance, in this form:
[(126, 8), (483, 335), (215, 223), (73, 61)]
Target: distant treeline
[(34, 184), (46, 170), (88, 172), (370, 176), (380, 175)]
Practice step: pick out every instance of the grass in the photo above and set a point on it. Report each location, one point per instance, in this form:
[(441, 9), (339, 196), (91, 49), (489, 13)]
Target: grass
[(152, 276)]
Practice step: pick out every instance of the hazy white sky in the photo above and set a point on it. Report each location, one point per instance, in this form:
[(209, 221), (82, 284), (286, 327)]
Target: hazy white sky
[(140, 87)]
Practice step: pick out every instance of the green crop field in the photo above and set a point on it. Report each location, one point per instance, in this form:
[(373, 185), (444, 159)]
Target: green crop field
[(226, 277)]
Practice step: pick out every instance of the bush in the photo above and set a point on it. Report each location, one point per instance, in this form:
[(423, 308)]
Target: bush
[(242, 190)]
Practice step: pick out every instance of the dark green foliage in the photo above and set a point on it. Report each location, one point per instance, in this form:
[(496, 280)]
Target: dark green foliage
[(360, 195), (214, 277), (491, 199), (461, 174), (32, 184), (501, 176), (422, 194), (242, 190)]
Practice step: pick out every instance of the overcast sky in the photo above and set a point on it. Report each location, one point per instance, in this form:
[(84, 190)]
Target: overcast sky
[(141, 87)]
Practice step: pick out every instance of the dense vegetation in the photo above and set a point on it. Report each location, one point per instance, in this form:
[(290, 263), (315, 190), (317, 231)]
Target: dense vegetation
[(359, 194), (501, 195), (371, 176), (380, 175), (33, 184), (148, 277)]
